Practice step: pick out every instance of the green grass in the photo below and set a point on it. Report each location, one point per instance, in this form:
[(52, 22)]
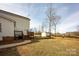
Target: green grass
[(47, 47)]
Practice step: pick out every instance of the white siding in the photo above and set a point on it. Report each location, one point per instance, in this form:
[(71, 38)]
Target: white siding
[(7, 28), (22, 24)]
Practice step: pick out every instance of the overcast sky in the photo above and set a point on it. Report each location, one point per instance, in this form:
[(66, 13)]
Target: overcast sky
[(36, 12)]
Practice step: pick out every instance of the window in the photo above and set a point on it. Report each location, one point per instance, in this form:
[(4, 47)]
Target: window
[(0, 27)]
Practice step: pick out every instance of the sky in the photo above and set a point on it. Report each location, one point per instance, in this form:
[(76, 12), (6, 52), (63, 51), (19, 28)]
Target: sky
[(69, 13)]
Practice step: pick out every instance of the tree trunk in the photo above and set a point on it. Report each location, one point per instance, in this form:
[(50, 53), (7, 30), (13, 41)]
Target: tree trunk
[(50, 28), (55, 30)]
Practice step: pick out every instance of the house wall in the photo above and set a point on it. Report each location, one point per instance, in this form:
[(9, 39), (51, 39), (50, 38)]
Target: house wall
[(22, 24), (7, 28)]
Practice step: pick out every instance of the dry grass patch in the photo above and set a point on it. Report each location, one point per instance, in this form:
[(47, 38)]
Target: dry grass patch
[(50, 47), (57, 46)]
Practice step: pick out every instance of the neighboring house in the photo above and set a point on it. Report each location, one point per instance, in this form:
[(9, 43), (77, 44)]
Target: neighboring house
[(75, 33), (11, 24)]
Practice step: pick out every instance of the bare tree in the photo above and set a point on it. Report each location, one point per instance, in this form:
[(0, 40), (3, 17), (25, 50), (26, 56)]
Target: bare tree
[(78, 28), (43, 26), (52, 18), (55, 23)]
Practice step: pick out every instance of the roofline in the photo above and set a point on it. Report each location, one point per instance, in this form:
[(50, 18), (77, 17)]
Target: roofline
[(8, 19), (14, 14)]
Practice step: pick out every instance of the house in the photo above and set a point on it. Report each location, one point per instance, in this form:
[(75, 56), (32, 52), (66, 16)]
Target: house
[(13, 25), (75, 33)]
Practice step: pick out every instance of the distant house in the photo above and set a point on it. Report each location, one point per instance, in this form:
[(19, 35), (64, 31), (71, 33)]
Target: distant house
[(12, 24), (72, 33)]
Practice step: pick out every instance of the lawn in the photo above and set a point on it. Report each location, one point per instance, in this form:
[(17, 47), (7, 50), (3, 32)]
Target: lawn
[(46, 47)]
